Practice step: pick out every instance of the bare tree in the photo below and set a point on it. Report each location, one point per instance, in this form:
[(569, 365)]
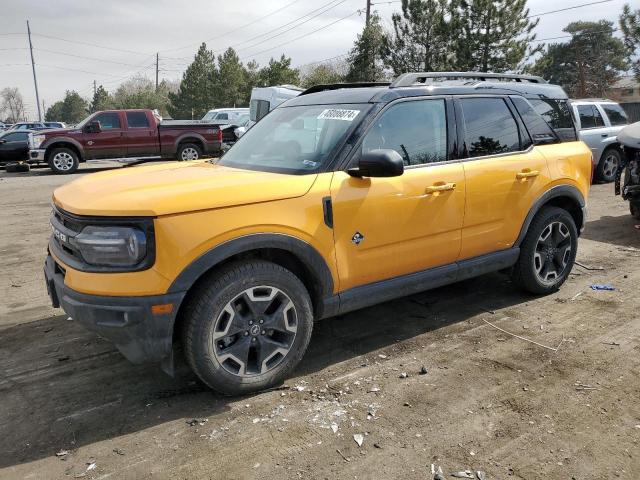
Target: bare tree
[(11, 105)]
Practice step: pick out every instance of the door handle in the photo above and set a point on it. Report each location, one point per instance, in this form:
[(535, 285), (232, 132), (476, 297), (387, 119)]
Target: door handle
[(440, 187), (527, 173), (604, 135)]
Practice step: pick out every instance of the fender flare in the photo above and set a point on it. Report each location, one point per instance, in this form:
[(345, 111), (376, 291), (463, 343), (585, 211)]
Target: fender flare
[(559, 191), (54, 143), (303, 251), (187, 136)]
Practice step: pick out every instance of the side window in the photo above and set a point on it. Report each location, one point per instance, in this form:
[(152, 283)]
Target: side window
[(15, 137), (589, 117), (108, 120), (258, 109), (417, 130), (490, 128), (137, 120), (222, 116), (617, 116), (538, 128)]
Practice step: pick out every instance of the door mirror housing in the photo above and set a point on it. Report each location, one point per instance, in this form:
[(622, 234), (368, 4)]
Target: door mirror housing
[(378, 163), (93, 127)]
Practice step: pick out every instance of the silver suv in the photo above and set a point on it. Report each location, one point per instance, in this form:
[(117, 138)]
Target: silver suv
[(599, 122)]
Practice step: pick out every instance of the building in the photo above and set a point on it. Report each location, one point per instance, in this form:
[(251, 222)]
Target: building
[(626, 91)]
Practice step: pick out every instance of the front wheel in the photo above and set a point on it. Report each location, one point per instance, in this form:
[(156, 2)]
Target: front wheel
[(548, 252), (63, 161), (189, 151), (247, 327)]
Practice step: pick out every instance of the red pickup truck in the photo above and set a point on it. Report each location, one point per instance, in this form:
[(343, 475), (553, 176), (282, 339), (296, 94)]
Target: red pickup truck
[(138, 134)]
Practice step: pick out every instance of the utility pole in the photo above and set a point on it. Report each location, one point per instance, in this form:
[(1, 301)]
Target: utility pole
[(33, 67), (94, 89), (157, 68), (368, 12), (44, 108)]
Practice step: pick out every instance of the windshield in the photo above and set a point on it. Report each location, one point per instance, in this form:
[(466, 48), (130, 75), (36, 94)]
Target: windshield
[(209, 115), (84, 122), (295, 140)]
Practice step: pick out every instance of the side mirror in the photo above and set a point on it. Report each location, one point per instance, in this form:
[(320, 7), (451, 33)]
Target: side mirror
[(93, 127), (2, 140), (378, 163)]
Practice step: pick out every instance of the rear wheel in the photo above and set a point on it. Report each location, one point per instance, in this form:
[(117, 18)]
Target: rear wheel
[(247, 327), (609, 165), (548, 252), (189, 151), (63, 161)]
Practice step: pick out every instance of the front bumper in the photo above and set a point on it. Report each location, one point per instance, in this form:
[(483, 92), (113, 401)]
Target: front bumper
[(36, 155), (140, 335)]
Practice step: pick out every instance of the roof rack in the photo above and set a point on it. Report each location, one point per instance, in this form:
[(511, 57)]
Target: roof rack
[(409, 79), (336, 86)]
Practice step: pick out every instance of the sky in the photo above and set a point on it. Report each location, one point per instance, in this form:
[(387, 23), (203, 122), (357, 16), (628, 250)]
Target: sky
[(76, 42)]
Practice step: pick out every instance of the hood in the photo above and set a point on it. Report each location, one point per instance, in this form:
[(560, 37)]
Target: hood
[(53, 131), (171, 188)]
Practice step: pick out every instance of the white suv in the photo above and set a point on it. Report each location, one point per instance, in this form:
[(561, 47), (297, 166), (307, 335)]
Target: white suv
[(599, 122)]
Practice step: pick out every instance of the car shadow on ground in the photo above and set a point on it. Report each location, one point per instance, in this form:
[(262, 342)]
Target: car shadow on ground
[(619, 230), (62, 387)]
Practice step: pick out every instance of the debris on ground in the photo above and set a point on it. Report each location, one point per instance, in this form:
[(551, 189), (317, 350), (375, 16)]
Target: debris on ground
[(603, 286), (342, 455), (582, 386), (118, 451), (464, 474), (423, 370), (195, 421), (403, 375), (62, 453), (480, 475), (359, 438), (587, 267)]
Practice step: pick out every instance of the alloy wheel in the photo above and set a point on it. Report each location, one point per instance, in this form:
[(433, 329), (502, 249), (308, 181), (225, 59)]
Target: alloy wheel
[(255, 331), (553, 252), (610, 165), (63, 161), (189, 153)]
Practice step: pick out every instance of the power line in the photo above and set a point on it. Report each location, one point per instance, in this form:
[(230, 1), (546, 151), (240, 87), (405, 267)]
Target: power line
[(569, 8), (235, 29), (79, 42), (301, 36), (84, 57)]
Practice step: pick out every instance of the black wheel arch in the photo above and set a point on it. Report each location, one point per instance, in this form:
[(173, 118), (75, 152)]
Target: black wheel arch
[(287, 251), (566, 197), (196, 140)]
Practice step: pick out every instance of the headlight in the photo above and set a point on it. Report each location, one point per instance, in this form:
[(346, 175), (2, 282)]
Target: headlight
[(36, 140), (111, 246)]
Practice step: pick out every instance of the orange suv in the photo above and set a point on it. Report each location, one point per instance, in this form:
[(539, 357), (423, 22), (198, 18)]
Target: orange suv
[(346, 196)]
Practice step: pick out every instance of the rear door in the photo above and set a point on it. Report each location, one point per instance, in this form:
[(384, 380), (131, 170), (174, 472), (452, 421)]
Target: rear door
[(141, 135), (109, 142), (504, 174), (593, 129), (388, 227)]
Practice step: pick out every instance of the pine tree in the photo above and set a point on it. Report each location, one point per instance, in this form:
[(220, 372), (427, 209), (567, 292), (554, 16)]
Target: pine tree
[(421, 38), (586, 65), (279, 72), (74, 108), (230, 88), (251, 79), (196, 94), (322, 74), (630, 27), (492, 35), (101, 100), (365, 58)]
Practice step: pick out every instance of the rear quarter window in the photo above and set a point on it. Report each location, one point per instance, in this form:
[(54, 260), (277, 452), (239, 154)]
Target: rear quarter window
[(557, 113), (617, 116)]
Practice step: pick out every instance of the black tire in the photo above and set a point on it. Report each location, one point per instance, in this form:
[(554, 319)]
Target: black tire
[(537, 260), (634, 209), (189, 151), (17, 167), (63, 161), (210, 312), (609, 164)]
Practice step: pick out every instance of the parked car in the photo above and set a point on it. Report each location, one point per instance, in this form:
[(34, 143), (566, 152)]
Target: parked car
[(341, 198), (265, 99), (224, 116), (14, 146), (628, 183), (28, 126), (599, 122), (135, 133)]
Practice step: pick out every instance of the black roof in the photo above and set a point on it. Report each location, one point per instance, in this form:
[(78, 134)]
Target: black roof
[(384, 93)]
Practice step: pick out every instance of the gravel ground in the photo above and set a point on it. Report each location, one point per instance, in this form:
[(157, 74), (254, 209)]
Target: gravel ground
[(72, 406)]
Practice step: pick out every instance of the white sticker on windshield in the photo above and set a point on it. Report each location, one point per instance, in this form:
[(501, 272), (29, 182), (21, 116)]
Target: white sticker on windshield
[(338, 114)]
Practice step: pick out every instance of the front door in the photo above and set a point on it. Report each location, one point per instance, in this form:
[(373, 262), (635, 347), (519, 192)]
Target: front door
[(504, 175), (109, 142), (387, 227), (592, 128), (15, 147)]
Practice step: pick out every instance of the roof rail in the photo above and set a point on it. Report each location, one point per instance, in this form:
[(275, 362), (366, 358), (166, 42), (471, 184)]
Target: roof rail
[(409, 79), (336, 86)]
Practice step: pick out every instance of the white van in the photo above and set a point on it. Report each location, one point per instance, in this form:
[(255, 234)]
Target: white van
[(221, 116), (265, 99)]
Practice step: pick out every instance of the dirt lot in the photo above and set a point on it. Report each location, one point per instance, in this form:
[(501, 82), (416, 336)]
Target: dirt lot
[(489, 401)]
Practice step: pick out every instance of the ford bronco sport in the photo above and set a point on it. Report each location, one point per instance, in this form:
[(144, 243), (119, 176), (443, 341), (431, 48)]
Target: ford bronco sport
[(343, 197)]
